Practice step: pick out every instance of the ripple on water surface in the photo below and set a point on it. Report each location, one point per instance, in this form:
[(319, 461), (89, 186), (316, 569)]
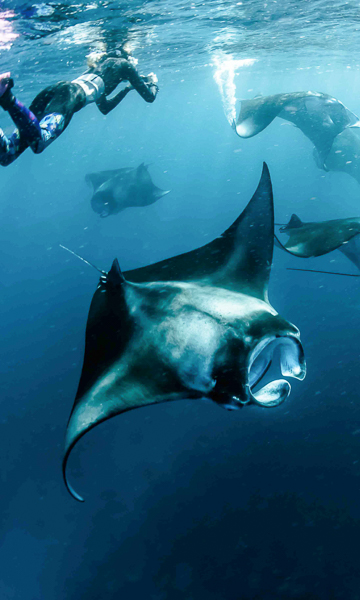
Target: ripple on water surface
[(180, 34)]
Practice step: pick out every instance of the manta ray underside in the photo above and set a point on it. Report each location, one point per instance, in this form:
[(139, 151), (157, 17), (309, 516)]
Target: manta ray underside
[(316, 239), (320, 117), (195, 325)]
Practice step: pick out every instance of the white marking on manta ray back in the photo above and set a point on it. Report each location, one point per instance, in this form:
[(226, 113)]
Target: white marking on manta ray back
[(191, 348), (223, 303)]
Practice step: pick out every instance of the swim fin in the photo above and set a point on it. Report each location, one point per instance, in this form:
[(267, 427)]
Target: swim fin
[(6, 83)]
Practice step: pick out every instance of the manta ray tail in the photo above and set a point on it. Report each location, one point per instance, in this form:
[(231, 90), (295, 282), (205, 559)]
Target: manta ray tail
[(327, 272), (83, 259)]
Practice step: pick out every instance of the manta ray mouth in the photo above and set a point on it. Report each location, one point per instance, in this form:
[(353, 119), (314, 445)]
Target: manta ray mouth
[(292, 364)]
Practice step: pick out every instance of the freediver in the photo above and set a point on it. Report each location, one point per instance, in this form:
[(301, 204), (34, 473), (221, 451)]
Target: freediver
[(52, 110)]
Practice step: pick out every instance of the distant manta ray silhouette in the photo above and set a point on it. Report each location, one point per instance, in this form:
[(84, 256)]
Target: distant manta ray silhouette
[(325, 121), (118, 189), (195, 325), (318, 238)]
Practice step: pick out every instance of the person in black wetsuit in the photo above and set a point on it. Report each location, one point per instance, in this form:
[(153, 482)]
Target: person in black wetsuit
[(52, 110)]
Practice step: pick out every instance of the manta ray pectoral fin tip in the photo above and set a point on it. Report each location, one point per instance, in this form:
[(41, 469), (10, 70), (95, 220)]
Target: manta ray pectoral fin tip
[(266, 169), (69, 487), (74, 494)]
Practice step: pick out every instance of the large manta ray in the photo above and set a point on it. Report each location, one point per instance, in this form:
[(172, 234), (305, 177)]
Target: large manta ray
[(329, 125), (195, 325), (316, 239), (121, 188)]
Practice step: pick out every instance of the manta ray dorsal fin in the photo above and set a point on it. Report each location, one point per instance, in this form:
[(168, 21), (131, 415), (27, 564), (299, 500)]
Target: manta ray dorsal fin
[(248, 266), (115, 276), (294, 223), (142, 171)]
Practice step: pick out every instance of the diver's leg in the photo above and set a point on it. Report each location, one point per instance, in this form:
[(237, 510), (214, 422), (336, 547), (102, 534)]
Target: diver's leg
[(51, 127), (31, 132), (23, 118), (37, 135), (6, 83), (11, 147)]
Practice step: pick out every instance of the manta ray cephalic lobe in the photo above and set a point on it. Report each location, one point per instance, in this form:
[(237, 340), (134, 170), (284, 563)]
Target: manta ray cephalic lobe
[(196, 325)]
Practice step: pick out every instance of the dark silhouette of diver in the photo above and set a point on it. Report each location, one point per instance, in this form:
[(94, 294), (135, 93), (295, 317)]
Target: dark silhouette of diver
[(52, 110)]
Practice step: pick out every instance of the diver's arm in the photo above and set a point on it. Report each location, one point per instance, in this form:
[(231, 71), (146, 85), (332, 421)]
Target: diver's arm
[(105, 106), (145, 85)]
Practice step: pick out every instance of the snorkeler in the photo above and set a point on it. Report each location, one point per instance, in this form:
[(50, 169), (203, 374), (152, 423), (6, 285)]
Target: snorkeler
[(52, 110)]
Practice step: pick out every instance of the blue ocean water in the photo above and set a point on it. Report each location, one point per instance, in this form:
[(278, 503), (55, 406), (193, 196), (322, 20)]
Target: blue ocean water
[(183, 500)]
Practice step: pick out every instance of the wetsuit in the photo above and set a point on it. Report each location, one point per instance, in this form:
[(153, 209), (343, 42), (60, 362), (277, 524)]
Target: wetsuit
[(52, 110), (114, 70)]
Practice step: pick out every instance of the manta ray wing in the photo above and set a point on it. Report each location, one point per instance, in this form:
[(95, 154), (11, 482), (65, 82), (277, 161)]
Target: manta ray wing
[(239, 259), (144, 180), (159, 193), (143, 175), (257, 114), (120, 372), (97, 179), (352, 250)]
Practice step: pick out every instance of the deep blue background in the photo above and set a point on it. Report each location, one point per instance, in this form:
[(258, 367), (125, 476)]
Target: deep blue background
[(183, 500)]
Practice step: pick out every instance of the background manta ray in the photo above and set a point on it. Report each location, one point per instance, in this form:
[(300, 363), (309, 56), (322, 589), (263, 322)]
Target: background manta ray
[(326, 122), (316, 239), (196, 325), (118, 189)]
